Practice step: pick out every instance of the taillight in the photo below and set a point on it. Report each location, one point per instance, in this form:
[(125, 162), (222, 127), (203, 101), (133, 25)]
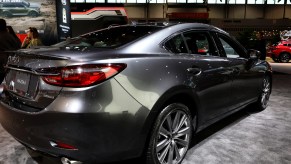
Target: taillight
[(81, 75)]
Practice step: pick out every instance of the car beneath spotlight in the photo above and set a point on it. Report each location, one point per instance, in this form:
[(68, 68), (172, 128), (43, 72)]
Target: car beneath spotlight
[(129, 91), (281, 52)]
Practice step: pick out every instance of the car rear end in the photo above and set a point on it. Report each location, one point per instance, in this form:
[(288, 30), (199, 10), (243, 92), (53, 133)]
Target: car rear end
[(55, 105), (65, 101)]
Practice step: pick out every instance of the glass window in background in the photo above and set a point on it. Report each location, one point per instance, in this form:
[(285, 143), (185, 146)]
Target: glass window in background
[(236, 1), (216, 1), (256, 1), (278, 2), (195, 1)]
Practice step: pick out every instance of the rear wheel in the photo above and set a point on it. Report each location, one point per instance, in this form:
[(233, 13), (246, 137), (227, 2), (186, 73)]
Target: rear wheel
[(171, 135), (284, 57), (6, 14)]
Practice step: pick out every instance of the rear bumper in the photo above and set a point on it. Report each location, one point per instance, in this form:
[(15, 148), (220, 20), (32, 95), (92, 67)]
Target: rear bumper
[(100, 130), (98, 137)]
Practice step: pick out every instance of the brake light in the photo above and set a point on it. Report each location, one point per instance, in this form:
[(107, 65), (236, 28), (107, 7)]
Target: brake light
[(82, 75)]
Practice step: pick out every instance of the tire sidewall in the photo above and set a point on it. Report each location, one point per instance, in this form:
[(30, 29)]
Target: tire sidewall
[(33, 14), (151, 154)]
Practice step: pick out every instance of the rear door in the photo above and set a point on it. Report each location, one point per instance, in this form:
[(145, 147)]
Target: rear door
[(17, 9), (214, 82)]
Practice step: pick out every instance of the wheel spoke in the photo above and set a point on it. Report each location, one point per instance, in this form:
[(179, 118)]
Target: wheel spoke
[(170, 123), (164, 154), (182, 122), (177, 151), (182, 132), (176, 122), (181, 142), (171, 155), (161, 145), (164, 132)]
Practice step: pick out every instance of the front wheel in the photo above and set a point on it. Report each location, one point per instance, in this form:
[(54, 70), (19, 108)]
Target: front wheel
[(275, 59), (171, 136), (265, 93), (33, 14)]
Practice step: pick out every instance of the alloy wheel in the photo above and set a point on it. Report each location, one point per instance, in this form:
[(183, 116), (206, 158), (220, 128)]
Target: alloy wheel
[(33, 14), (173, 137), (284, 58), (266, 92), (6, 15)]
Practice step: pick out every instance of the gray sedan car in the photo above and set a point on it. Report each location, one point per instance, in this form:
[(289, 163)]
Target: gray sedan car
[(129, 91)]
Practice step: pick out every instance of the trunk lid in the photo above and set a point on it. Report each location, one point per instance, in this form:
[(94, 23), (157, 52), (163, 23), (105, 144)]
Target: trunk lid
[(23, 86)]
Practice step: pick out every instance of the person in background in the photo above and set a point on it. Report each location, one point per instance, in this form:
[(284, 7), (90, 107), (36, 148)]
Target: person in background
[(7, 43), (32, 38), (11, 31), (261, 45)]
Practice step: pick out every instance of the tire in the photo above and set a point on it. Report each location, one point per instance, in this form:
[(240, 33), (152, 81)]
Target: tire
[(33, 14), (6, 14), (265, 93), (171, 135), (275, 59), (284, 57)]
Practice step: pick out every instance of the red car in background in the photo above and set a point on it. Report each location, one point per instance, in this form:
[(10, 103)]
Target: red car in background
[(281, 52)]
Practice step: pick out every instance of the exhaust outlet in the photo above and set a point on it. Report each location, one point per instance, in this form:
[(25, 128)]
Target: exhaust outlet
[(65, 160)]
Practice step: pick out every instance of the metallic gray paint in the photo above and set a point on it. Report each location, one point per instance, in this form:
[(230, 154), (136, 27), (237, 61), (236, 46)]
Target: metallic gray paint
[(111, 120)]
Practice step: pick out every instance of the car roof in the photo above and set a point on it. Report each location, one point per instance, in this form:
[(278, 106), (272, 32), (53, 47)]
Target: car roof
[(181, 26)]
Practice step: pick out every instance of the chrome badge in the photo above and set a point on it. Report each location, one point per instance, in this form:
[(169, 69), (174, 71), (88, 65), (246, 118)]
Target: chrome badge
[(13, 59)]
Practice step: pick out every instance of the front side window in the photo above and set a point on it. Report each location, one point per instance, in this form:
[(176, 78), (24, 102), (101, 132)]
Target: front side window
[(230, 48)]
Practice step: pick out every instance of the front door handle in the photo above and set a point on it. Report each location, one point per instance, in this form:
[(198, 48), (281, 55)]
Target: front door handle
[(194, 71)]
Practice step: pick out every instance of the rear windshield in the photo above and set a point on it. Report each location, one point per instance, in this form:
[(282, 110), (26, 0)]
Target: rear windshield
[(110, 37)]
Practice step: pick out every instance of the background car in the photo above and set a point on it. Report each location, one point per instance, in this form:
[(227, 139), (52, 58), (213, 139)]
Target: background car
[(19, 9), (127, 91), (281, 52)]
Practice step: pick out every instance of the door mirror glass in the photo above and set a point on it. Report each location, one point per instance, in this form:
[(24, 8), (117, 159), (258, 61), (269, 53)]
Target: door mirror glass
[(254, 54)]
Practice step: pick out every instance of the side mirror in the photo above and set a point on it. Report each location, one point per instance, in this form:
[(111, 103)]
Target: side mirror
[(254, 54)]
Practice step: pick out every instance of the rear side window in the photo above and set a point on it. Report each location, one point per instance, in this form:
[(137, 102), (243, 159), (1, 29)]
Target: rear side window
[(176, 45), (110, 37), (199, 42), (19, 5), (8, 5)]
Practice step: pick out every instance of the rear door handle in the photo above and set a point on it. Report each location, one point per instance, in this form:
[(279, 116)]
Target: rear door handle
[(194, 71)]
